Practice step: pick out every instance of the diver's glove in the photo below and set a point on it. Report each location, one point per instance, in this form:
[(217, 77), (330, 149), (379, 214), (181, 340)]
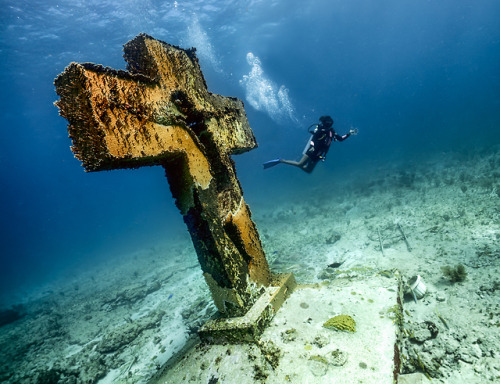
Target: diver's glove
[(353, 131)]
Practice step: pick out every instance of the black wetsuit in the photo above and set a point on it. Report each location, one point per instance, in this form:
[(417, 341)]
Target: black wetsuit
[(320, 143)]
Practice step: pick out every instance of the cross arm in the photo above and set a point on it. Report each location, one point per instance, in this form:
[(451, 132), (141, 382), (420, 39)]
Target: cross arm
[(159, 108)]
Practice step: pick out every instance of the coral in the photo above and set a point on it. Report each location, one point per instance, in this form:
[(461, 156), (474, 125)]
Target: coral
[(289, 335), (341, 323), (337, 358), (454, 274), (421, 332), (270, 352)]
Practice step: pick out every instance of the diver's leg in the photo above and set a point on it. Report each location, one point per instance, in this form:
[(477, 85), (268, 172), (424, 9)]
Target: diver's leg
[(289, 162), (299, 164), (302, 164)]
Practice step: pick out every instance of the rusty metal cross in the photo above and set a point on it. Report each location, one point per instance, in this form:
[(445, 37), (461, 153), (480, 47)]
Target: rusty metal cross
[(159, 112)]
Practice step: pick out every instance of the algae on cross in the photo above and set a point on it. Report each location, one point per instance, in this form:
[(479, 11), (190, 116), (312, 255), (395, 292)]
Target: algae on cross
[(159, 112)]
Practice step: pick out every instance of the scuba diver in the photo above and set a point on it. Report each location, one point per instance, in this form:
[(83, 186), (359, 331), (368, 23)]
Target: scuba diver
[(316, 149)]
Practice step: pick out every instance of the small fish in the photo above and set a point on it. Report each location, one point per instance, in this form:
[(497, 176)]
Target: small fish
[(441, 318), (170, 296), (335, 265)]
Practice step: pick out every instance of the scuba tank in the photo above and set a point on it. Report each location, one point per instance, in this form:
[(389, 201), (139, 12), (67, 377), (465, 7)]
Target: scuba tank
[(308, 144)]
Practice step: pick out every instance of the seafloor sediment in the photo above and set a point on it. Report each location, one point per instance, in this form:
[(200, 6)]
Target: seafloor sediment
[(121, 321)]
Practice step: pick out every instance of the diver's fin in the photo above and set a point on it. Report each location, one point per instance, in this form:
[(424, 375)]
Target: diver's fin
[(271, 163)]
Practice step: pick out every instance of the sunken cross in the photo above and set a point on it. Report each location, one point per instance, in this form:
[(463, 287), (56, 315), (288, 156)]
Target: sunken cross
[(159, 112)]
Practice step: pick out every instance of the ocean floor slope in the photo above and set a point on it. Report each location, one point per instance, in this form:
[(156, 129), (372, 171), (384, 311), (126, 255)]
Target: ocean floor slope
[(123, 320)]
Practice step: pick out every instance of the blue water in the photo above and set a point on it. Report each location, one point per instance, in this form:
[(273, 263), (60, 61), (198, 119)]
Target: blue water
[(417, 78)]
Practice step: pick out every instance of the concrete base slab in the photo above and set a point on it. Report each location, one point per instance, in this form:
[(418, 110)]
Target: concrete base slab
[(413, 378), (249, 327), (296, 348)]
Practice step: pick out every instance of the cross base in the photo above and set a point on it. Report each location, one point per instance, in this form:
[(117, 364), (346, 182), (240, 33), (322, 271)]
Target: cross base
[(249, 327), (296, 348)]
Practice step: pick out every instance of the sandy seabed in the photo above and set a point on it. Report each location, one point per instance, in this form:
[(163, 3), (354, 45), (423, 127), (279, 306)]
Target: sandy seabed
[(123, 320)]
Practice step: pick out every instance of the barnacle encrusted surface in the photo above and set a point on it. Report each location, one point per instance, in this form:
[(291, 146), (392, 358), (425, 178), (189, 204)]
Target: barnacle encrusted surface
[(160, 112), (341, 323)]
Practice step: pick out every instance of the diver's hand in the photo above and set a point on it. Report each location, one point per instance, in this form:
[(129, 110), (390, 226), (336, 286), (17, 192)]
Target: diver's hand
[(353, 131)]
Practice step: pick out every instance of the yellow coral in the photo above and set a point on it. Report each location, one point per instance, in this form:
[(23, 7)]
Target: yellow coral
[(341, 323)]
